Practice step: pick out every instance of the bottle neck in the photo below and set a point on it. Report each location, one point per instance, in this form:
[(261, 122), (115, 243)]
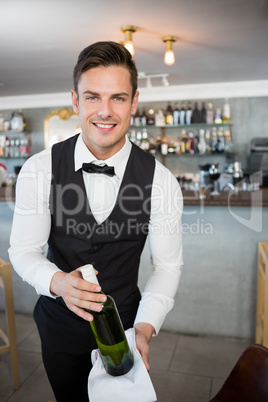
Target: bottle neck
[(88, 274)]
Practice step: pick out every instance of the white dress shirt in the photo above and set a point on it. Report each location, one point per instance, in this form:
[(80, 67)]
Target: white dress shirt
[(32, 223)]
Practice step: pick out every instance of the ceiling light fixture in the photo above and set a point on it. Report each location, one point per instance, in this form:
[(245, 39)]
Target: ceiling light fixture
[(148, 78), (148, 82), (165, 81), (169, 55), (128, 30)]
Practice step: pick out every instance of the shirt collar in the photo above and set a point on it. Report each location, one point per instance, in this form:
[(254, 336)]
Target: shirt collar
[(83, 155)]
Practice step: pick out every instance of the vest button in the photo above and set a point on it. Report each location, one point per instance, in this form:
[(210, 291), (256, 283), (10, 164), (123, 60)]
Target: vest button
[(95, 247)]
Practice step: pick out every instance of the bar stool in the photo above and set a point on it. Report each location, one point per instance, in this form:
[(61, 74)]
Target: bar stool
[(10, 345)]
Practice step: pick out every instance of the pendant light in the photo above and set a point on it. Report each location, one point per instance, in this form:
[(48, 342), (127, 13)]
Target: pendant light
[(128, 43), (169, 55)]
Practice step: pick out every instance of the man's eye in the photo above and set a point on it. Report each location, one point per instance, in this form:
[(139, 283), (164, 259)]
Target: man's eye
[(91, 98), (118, 98)]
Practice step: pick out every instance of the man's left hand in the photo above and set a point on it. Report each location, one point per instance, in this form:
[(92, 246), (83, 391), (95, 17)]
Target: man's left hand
[(143, 334)]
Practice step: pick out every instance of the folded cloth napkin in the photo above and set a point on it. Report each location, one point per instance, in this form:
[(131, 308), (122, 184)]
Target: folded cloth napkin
[(135, 386)]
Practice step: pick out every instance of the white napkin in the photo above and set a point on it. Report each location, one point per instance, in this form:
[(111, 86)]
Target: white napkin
[(135, 386)]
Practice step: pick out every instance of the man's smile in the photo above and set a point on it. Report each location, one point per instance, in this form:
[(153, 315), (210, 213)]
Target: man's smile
[(102, 125)]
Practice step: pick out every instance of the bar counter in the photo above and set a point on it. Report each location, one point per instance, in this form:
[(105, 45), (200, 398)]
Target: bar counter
[(191, 198), (228, 198)]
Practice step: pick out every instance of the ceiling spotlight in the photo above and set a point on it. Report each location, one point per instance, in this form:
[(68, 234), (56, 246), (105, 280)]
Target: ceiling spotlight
[(148, 82), (165, 81), (128, 30), (169, 55)]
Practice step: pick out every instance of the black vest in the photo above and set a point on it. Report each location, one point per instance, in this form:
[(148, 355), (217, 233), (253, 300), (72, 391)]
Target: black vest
[(115, 245)]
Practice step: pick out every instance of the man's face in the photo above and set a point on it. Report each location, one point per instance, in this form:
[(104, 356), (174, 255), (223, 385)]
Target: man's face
[(104, 104)]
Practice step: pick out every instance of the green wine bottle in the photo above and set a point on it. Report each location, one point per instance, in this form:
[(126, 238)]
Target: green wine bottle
[(108, 331)]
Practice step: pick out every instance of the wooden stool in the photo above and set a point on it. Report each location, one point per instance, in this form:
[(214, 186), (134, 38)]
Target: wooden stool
[(262, 296), (10, 340)]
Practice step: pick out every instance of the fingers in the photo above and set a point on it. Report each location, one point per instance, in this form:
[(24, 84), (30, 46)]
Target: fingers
[(143, 347), (143, 334), (79, 294)]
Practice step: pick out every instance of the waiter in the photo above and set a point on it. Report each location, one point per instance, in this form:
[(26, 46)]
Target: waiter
[(94, 198)]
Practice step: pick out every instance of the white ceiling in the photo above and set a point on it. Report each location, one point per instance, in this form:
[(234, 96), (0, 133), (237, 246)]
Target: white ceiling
[(219, 40)]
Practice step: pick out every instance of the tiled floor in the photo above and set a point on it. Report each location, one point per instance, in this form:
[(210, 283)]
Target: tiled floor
[(183, 368)]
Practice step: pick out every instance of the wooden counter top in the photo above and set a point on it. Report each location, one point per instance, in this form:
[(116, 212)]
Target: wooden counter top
[(228, 198), (7, 194), (191, 198)]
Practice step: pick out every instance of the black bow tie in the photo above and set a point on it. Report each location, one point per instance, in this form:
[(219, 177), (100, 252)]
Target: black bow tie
[(92, 168)]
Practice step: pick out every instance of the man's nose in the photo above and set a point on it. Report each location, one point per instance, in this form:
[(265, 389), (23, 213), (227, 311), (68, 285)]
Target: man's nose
[(105, 110)]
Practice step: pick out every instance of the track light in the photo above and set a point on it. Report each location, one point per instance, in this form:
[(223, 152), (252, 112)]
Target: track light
[(165, 80), (128, 43), (169, 55), (148, 78), (148, 82)]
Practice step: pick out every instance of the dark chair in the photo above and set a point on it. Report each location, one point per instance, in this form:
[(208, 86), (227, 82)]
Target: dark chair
[(248, 380)]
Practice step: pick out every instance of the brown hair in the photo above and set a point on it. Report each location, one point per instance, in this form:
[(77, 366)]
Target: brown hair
[(105, 54)]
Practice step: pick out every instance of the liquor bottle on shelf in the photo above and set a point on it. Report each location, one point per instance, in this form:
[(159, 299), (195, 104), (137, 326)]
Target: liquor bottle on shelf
[(160, 118), (108, 331), (164, 146), (172, 147), (196, 142), (158, 144), (220, 141), (137, 118), (213, 140), (191, 142), (143, 118), (7, 148), (152, 146), (151, 117), (210, 114), (144, 141), (182, 114), (1, 122), (17, 121), (184, 142), (218, 116), (169, 115), (2, 145), (132, 136), (6, 122), (226, 113), (202, 143), (196, 114), (203, 113), (208, 142), (176, 114), (138, 138), (188, 114), (228, 146)]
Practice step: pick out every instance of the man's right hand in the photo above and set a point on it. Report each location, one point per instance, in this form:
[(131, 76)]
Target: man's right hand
[(77, 293)]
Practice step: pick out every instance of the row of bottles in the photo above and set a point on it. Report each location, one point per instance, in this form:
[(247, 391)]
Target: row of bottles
[(12, 121), (10, 147), (215, 140), (184, 114)]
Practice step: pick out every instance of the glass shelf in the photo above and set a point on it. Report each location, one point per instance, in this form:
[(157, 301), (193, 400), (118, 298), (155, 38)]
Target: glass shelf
[(195, 125), (14, 132), (14, 157)]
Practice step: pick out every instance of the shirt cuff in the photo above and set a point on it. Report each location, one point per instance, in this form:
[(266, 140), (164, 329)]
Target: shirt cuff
[(153, 309)]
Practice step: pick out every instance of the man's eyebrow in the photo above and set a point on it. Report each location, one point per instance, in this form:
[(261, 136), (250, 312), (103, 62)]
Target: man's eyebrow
[(116, 95), (120, 94), (87, 92)]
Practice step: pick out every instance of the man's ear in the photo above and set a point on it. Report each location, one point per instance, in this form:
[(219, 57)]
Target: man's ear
[(135, 103), (75, 101)]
